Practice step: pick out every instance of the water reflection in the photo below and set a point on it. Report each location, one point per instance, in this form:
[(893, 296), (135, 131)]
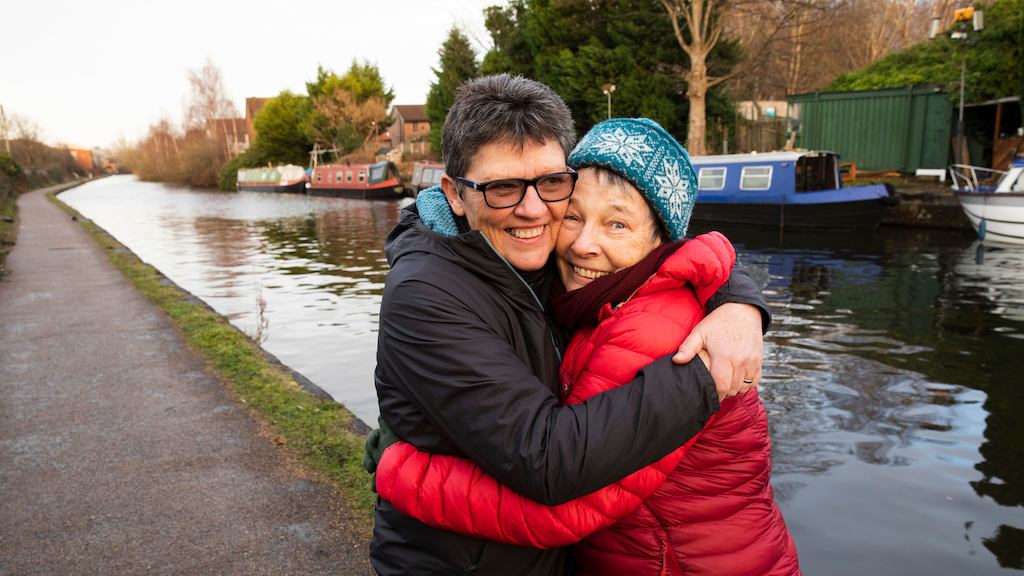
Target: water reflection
[(892, 373), (892, 381), (317, 262)]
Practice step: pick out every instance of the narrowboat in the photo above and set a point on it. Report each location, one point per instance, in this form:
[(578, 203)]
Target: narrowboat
[(993, 200), (784, 190), (426, 174), (370, 181), (287, 178)]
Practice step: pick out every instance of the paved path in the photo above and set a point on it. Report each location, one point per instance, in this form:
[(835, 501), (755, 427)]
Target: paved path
[(119, 453)]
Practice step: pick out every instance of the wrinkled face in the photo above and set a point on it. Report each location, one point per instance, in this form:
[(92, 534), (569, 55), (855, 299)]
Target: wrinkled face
[(607, 228), (525, 233)]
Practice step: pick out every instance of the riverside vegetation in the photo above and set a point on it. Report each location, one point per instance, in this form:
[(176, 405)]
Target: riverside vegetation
[(320, 432)]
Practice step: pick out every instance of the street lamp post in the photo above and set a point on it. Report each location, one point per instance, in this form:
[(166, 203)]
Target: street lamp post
[(608, 89), (960, 19)]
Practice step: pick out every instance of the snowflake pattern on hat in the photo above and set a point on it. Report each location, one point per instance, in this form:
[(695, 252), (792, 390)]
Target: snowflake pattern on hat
[(646, 155), (674, 188), (629, 147)]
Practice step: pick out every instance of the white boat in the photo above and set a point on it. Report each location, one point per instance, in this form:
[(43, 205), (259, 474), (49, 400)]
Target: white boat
[(993, 200)]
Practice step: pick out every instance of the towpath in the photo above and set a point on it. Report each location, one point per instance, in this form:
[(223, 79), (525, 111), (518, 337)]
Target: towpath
[(119, 452)]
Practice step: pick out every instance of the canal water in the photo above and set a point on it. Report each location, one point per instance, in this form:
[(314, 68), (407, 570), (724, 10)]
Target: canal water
[(893, 372)]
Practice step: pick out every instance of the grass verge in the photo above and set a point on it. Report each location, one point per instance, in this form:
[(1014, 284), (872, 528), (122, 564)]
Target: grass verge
[(8, 227), (319, 432)]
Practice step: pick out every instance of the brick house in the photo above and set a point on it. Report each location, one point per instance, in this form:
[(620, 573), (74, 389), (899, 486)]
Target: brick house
[(252, 108), (410, 128), (83, 158), (231, 133)]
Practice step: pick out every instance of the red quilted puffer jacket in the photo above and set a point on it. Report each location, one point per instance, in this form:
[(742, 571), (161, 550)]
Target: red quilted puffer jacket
[(707, 508)]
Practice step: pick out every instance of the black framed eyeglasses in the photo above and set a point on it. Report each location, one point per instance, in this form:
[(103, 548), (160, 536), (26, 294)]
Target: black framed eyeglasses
[(509, 192)]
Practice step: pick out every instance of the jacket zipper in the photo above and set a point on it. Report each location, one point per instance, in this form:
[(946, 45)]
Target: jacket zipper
[(536, 300)]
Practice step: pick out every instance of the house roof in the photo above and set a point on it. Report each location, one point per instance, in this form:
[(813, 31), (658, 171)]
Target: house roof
[(412, 112)]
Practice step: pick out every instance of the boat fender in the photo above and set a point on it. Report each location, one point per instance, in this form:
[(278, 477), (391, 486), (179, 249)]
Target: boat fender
[(981, 229)]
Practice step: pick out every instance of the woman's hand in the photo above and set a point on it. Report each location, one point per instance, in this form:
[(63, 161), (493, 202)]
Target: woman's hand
[(731, 334)]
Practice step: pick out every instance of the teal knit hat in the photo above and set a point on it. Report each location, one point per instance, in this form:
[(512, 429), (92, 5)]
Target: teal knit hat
[(642, 152)]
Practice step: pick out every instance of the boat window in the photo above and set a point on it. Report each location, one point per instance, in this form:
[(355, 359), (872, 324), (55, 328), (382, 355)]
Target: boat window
[(377, 173), (817, 172), (711, 179), (319, 176), (337, 176), (348, 176), (362, 175), (756, 178)]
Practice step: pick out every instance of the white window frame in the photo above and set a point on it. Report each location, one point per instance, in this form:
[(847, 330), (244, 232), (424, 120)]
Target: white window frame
[(361, 177), (744, 174), (700, 177)]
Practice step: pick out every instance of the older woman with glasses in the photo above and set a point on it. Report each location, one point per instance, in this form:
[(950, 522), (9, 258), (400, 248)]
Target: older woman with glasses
[(633, 289)]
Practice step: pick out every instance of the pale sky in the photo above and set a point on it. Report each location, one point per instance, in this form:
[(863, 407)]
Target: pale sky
[(90, 73)]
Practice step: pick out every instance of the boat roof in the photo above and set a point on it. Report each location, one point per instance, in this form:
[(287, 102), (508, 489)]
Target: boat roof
[(755, 157), (351, 164)]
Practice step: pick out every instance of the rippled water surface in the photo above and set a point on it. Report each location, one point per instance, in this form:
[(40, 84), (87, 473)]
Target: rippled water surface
[(893, 373)]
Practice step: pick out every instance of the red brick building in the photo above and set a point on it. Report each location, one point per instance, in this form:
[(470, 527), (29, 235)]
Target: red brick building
[(410, 128), (231, 133), (252, 108), (83, 158)]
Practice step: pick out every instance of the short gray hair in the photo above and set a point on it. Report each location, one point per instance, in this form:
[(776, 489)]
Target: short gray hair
[(502, 108)]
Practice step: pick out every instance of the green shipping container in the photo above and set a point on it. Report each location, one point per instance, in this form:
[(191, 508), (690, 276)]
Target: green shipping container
[(902, 129)]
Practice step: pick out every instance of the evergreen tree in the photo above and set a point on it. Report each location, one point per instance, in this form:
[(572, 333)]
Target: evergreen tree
[(577, 46), (458, 64), (279, 134)]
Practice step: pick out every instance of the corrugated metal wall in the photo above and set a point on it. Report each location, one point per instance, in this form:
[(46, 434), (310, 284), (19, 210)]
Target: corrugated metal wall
[(903, 129)]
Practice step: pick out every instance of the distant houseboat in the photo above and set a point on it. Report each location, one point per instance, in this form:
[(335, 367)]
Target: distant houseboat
[(288, 178), (371, 181), (784, 190), (426, 174)]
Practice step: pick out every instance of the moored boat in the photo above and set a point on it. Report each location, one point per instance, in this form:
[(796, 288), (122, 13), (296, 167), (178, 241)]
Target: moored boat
[(993, 200), (371, 181), (426, 174), (287, 178), (784, 190)]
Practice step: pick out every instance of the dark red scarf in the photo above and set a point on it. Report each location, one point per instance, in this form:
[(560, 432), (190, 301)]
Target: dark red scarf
[(579, 308)]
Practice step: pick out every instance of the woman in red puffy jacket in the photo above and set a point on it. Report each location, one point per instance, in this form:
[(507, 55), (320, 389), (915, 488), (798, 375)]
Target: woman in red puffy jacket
[(634, 290)]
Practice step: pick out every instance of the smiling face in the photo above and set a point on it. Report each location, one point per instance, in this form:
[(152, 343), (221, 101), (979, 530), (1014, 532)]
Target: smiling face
[(608, 227), (525, 233)]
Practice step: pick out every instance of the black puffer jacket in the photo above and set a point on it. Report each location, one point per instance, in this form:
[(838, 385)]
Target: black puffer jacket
[(467, 364)]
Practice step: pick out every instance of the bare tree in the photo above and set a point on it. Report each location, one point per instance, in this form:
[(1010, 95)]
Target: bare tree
[(823, 39), (208, 99), (699, 25)]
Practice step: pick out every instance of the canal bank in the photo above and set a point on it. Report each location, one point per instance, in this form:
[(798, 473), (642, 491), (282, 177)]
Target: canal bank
[(921, 204), (124, 450)]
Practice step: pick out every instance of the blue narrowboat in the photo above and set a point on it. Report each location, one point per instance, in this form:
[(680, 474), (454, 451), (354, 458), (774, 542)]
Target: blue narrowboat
[(784, 190)]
